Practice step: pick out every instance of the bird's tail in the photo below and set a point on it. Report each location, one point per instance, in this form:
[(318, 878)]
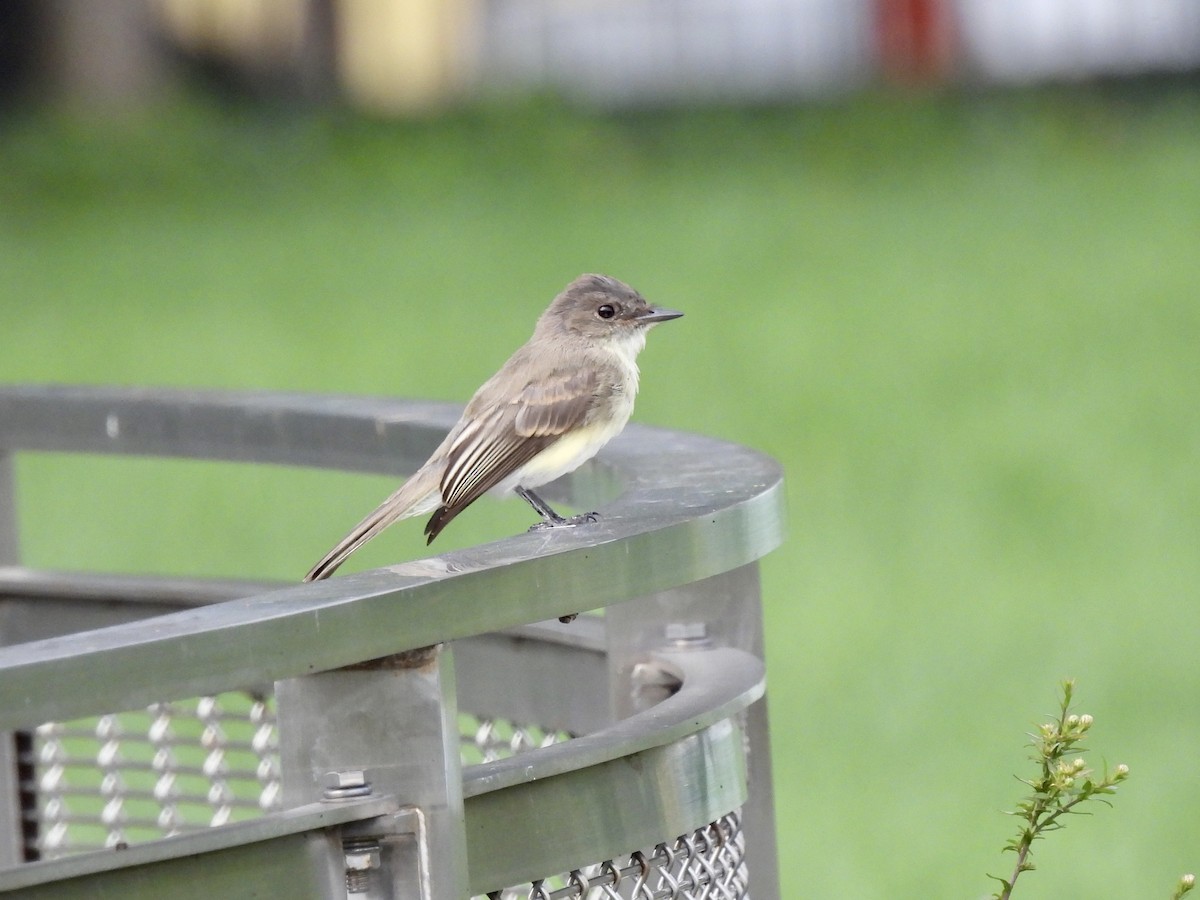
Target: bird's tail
[(417, 495)]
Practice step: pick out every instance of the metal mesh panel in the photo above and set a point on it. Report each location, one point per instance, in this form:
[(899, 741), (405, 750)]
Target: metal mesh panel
[(484, 739), (176, 767), (709, 863)]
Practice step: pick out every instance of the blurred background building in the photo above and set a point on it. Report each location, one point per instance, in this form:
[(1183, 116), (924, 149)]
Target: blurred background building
[(404, 56)]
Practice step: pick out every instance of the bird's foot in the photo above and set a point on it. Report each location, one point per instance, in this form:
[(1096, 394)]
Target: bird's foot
[(565, 521)]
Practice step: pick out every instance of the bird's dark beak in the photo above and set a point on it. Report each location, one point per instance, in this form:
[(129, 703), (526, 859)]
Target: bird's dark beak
[(659, 314)]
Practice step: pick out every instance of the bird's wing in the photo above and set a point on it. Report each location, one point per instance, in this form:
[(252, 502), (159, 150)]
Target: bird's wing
[(499, 441)]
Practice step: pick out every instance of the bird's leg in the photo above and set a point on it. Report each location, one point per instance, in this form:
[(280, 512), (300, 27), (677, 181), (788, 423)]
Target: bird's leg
[(541, 507), (550, 519)]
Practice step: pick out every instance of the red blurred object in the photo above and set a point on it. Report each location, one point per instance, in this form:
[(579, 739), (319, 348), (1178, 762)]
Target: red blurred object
[(915, 40)]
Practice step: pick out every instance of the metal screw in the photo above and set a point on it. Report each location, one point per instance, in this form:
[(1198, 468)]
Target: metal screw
[(362, 855), (346, 785)]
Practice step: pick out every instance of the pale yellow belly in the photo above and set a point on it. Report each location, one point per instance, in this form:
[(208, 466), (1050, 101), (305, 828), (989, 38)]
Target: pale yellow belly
[(565, 455)]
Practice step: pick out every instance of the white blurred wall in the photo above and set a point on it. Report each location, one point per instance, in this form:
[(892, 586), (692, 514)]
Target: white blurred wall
[(1032, 40), (397, 57)]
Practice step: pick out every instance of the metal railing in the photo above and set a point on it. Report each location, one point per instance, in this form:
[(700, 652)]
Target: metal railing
[(216, 738)]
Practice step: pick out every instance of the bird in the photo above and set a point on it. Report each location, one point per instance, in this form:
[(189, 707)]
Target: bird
[(551, 407)]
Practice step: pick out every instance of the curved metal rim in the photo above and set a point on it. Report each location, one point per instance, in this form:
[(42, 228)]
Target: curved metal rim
[(689, 507), (715, 684)]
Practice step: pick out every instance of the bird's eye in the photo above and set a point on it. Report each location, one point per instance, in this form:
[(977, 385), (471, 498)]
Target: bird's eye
[(607, 311)]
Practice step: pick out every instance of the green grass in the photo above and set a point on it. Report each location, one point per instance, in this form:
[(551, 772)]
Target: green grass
[(969, 326)]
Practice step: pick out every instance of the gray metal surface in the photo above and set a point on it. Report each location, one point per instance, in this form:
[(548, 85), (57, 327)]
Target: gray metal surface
[(38, 604), (688, 508), (667, 770), (262, 850), (687, 753), (713, 685), (721, 611), (8, 511), (550, 674), (580, 815), (395, 720), (662, 696)]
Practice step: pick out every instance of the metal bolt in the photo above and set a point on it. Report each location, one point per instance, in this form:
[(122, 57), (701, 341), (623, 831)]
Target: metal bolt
[(362, 855), (346, 785), (686, 634)]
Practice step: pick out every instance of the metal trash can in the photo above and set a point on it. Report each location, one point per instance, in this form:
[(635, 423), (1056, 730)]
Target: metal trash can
[(425, 730)]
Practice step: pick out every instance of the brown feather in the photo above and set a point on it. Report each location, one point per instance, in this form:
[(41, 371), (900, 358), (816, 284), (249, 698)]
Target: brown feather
[(515, 434), (520, 454)]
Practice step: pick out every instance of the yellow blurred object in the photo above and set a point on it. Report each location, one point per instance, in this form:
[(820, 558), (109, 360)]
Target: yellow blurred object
[(255, 32), (391, 56), (396, 56)]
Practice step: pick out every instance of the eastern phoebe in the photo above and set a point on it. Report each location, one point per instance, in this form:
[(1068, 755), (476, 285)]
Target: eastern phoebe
[(560, 398)]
